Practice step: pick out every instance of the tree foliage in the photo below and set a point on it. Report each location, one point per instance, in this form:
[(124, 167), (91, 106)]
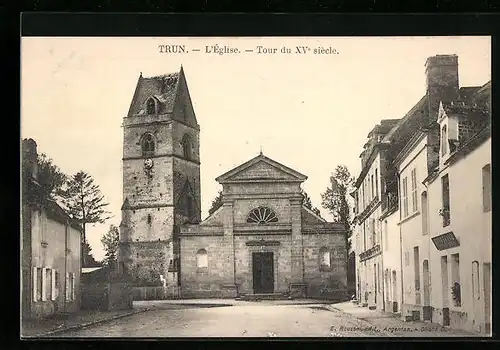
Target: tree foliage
[(306, 202), (84, 201), (110, 242), (50, 178), (88, 257), (216, 203), (335, 198)]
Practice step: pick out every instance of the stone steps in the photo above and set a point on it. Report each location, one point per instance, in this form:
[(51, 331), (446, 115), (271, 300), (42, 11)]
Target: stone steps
[(266, 296)]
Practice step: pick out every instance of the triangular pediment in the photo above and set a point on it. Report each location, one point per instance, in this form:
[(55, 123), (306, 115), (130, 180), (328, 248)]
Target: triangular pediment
[(261, 168)]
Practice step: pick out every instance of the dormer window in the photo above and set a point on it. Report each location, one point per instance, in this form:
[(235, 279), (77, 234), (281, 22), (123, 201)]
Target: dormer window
[(151, 106), (444, 140)]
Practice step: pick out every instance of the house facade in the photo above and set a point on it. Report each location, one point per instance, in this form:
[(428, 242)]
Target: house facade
[(263, 240), (445, 133), (460, 219), (369, 207), (50, 248), (412, 165), (391, 253)]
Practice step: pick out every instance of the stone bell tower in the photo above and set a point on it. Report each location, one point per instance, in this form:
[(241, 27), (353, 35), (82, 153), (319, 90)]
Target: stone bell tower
[(161, 179)]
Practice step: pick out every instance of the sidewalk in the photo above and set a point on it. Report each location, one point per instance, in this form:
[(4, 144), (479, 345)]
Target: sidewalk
[(391, 325), (61, 323)]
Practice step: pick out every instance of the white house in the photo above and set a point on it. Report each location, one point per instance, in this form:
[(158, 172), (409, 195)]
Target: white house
[(460, 217), (370, 186), (412, 163)]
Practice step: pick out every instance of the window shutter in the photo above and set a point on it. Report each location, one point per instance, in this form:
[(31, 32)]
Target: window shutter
[(72, 286), (44, 284), (67, 286), (35, 283), (54, 296)]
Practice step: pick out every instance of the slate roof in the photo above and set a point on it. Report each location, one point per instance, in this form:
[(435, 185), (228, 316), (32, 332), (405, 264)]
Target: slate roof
[(162, 87)]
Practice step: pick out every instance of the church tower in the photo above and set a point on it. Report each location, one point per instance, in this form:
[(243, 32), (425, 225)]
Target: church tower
[(161, 179)]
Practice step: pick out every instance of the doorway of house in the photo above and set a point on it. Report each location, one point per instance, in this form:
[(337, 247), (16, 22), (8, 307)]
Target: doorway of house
[(427, 293), (394, 292), (263, 272), (487, 297)]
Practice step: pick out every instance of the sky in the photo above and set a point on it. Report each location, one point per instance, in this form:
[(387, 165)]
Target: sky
[(308, 111)]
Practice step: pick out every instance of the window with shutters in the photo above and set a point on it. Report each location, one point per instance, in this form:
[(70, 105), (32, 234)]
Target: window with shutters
[(404, 197), (55, 284), (70, 286), (475, 280), (414, 198), (37, 283), (445, 210), (374, 232), (372, 188), (425, 223)]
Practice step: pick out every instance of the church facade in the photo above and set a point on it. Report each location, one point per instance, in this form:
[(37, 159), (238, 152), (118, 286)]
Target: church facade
[(261, 240)]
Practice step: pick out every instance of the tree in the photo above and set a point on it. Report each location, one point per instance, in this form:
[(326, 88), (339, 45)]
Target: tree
[(85, 203), (88, 257), (216, 203), (306, 202), (335, 199), (110, 242), (50, 178)]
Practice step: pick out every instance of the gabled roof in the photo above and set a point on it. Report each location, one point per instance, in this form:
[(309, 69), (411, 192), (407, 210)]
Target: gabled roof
[(162, 87), (168, 91), (261, 168)]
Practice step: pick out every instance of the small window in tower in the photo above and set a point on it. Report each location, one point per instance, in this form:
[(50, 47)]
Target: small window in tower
[(189, 206), (186, 147), (148, 145), (151, 106), (149, 219)]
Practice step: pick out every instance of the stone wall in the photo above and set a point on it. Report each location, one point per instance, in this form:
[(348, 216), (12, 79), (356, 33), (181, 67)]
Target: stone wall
[(209, 282), (328, 283)]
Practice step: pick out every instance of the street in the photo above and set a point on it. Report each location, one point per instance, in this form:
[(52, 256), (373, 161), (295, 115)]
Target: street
[(235, 319)]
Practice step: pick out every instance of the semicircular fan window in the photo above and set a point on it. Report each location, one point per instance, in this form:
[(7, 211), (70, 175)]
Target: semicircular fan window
[(262, 215)]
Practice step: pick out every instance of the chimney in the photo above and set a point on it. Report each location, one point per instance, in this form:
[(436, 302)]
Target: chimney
[(30, 158), (441, 81)]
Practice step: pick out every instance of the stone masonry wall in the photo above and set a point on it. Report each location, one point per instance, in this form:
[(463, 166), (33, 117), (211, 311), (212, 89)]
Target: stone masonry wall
[(138, 188), (206, 282), (331, 283)]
